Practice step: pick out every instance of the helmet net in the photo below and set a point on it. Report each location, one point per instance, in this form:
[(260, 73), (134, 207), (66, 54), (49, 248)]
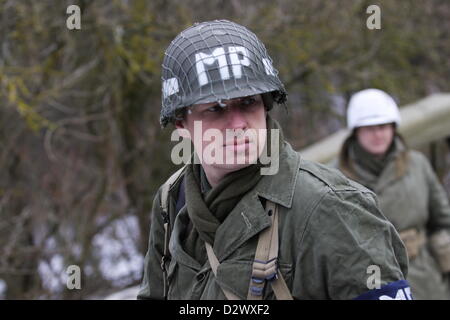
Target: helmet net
[(213, 61)]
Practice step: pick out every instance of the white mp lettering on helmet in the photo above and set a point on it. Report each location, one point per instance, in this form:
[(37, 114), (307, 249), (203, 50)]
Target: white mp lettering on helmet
[(371, 107), (218, 55)]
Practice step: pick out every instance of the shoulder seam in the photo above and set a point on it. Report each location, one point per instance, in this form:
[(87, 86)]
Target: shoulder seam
[(312, 210), (327, 183)]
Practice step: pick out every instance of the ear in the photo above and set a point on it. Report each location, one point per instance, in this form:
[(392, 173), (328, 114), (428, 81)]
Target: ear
[(179, 124), (181, 128)]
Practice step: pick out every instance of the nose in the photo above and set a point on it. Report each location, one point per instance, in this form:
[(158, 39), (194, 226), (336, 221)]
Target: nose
[(378, 131), (236, 118)]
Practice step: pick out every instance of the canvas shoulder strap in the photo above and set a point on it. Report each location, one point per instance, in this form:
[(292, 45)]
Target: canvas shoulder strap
[(165, 213), (166, 187), (265, 269), (214, 263)]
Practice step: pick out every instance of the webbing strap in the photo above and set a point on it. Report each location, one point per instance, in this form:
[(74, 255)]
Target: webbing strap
[(265, 267), (280, 288), (165, 257), (165, 189), (165, 213), (214, 263)]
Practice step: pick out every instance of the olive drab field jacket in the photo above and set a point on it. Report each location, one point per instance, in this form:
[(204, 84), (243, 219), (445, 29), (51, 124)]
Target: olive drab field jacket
[(331, 234)]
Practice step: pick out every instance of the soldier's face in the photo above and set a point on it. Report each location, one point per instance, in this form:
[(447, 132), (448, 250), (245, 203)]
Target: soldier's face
[(376, 139), (230, 137)]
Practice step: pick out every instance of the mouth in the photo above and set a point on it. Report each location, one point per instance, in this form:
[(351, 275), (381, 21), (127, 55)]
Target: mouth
[(237, 142)]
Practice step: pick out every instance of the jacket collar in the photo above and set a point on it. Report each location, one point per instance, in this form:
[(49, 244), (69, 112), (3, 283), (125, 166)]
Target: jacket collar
[(279, 188)]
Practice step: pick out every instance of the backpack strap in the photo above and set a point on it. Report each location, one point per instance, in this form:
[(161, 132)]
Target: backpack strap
[(165, 214), (166, 187), (265, 267), (214, 263)]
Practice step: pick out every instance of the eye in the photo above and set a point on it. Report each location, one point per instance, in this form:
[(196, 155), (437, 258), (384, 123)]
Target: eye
[(215, 108), (248, 101)]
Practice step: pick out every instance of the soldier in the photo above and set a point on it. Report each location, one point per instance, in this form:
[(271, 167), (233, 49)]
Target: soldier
[(267, 224), (409, 192)]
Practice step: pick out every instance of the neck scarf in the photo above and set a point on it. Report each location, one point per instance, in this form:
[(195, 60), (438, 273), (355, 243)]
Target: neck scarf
[(367, 167)]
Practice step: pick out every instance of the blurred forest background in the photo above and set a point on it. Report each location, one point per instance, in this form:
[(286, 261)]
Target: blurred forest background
[(81, 149)]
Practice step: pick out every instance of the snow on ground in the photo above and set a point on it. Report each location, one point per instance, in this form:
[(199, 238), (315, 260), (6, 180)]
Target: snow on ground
[(120, 262)]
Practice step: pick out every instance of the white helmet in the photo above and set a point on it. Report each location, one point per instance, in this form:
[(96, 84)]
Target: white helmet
[(371, 107)]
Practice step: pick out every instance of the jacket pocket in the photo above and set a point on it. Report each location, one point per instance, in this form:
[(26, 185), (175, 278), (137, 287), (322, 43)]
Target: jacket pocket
[(235, 276)]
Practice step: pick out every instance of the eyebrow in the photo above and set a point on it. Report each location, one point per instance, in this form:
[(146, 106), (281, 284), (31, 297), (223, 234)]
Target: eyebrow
[(215, 103)]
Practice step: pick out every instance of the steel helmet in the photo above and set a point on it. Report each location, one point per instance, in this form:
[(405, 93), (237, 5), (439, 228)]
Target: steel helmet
[(213, 61), (371, 107)]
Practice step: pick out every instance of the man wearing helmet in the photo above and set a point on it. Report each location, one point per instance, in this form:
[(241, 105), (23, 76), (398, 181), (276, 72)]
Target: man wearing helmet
[(228, 228), (409, 192)]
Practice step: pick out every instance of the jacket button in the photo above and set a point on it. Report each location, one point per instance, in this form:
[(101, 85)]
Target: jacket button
[(200, 276)]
